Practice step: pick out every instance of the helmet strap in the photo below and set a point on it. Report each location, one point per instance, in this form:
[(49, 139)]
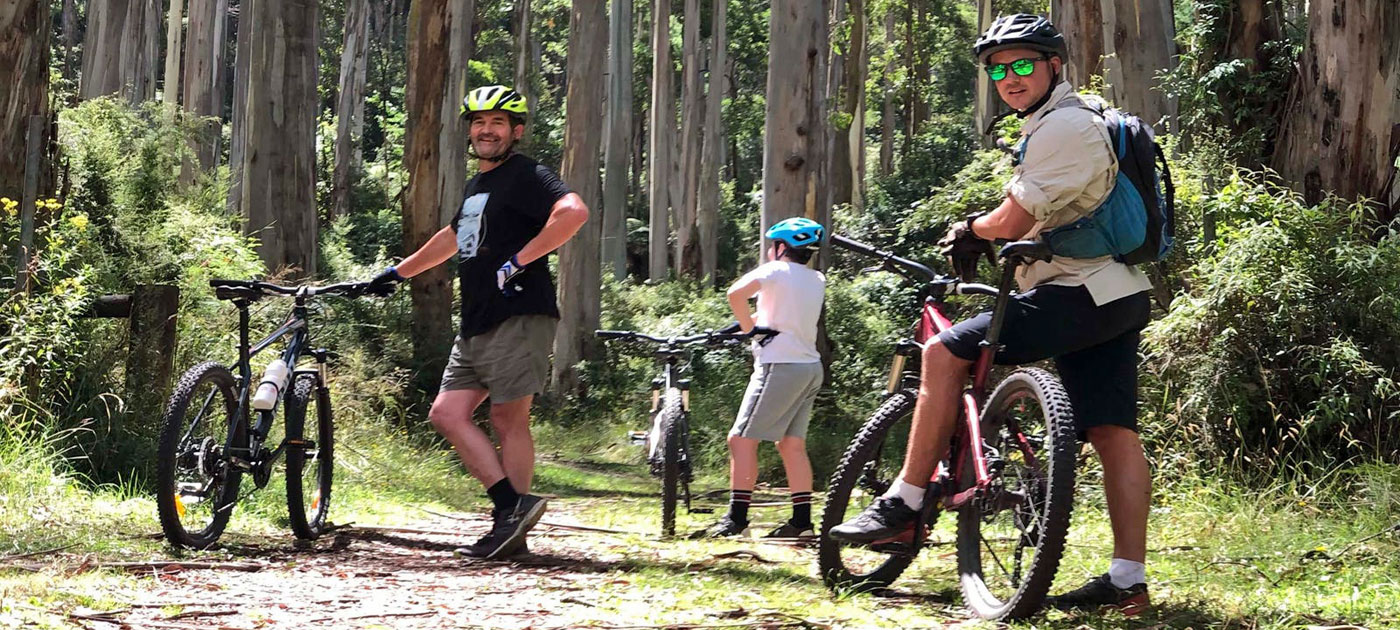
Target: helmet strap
[(1045, 98)]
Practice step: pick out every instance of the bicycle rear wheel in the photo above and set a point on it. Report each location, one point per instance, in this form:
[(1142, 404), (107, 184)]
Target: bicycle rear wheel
[(196, 485), (1011, 539), (671, 413), (310, 459), (871, 464)]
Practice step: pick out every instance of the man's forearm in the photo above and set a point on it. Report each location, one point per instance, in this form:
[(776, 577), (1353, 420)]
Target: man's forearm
[(433, 253), (564, 221)]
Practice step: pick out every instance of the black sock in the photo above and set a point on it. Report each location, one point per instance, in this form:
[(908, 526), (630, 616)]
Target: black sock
[(802, 508), (504, 496), (739, 505)]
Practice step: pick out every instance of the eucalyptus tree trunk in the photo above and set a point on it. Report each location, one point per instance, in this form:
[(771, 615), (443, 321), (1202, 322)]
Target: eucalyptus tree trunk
[(452, 149), (1081, 22), (238, 126), (174, 29), (429, 36), (618, 131), (278, 199), (857, 68), (986, 101), (887, 113), (1345, 102), (120, 50), (796, 126), (203, 96), (524, 69), (70, 38), (662, 126), (351, 93), (24, 86), (687, 261), (838, 150), (707, 221), (1141, 37), (579, 265)]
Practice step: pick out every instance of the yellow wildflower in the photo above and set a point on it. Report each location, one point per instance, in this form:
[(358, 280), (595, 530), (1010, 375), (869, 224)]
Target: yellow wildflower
[(52, 204), (79, 221)]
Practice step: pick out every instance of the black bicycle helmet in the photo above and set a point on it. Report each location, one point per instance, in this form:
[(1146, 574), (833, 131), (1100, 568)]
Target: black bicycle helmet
[(1021, 30)]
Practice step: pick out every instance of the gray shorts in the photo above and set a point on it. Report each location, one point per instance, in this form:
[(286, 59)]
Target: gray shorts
[(778, 401), (510, 361)]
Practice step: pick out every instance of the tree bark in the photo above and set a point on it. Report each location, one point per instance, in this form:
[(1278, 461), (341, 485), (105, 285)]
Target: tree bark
[(452, 176), (795, 122), (70, 38), (987, 102), (857, 67), (579, 265), (1082, 23), (1141, 38), (838, 151), (174, 29), (120, 50), (712, 154), (24, 86), (618, 131), (887, 113), (353, 55), (524, 70), (279, 163), (238, 127), (687, 260), (202, 46), (429, 36), (662, 123), (1339, 128)]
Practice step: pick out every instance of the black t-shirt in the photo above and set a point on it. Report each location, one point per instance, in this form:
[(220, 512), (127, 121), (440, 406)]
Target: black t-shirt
[(502, 210)]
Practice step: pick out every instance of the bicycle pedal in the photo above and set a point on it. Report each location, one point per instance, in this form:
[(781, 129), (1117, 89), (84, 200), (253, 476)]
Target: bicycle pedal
[(637, 437), (701, 510), (301, 444)]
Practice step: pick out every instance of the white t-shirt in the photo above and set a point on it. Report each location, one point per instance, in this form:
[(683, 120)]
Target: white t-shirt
[(789, 301)]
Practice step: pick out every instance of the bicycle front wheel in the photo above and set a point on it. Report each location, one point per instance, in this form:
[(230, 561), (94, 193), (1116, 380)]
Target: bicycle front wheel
[(310, 458), (870, 465), (196, 485), (1010, 540), (671, 420)]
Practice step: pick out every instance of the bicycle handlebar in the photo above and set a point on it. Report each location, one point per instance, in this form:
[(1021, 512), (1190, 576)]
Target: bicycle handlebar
[(704, 338), (253, 290)]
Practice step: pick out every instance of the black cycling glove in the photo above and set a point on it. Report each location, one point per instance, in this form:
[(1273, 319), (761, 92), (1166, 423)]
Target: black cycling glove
[(963, 248), (383, 284)]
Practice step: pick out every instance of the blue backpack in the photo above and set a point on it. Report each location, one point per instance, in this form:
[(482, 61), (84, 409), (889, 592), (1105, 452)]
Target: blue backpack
[(1137, 222)]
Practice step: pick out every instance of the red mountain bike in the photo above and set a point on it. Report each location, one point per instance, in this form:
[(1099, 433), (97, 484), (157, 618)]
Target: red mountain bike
[(1008, 474)]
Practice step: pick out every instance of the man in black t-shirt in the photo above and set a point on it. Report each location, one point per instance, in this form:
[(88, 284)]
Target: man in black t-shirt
[(514, 213)]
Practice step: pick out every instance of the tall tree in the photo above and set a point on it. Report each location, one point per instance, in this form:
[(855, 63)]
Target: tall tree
[(429, 36), (174, 30), (452, 176), (579, 268), (1082, 23), (707, 221), (887, 112), (203, 92), (70, 38), (354, 54), (662, 125), (1346, 100), (687, 261), (278, 195), (838, 151), (238, 127), (795, 122), (24, 85), (524, 70), (848, 141), (986, 102), (121, 49), (617, 128), (1141, 37)]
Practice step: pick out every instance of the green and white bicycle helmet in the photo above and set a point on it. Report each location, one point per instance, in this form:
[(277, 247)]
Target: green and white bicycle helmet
[(496, 98), (797, 233)]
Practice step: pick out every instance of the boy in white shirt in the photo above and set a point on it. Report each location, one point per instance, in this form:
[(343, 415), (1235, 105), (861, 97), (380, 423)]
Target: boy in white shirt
[(787, 376)]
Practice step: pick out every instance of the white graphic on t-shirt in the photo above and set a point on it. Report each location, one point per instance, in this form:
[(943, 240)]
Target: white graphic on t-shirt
[(471, 227)]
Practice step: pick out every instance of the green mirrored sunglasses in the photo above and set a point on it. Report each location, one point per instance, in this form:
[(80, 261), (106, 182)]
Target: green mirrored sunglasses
[(1022, 68)]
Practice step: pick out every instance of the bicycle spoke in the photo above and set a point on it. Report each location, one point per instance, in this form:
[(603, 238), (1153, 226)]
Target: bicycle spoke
[(996, 558)]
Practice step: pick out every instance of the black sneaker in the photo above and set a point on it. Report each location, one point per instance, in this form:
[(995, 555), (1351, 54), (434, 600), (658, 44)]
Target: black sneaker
[(508, 531), (1100, 593), (726, 527), (886, 517), (793, 530)]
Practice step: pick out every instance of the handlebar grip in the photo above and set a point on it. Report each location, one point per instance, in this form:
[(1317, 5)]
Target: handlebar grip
[(612, 334)]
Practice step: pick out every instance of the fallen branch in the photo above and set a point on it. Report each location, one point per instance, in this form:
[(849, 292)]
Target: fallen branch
[(201, 613), (456, 517), (407, 530), (742, 553), (37, 553), (421, 613), (585, 528), (1271, 581), (152, 566)]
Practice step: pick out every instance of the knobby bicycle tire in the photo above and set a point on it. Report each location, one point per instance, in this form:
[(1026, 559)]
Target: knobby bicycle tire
[(671, 413), (308, 518), (863, 450), (1052, 485), (170, 465)]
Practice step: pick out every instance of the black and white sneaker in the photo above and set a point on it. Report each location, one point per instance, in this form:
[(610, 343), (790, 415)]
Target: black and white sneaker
[(793, 530), (1100, 593), (507, 535), (885, 518), (724, 528)]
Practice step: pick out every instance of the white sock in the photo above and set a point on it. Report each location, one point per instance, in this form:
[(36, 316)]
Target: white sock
[(913, 496), (1125, 573)]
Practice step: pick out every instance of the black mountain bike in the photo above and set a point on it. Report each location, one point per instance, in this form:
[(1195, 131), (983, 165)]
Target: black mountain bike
[(212, 435), (1008, 474), (668, 441)]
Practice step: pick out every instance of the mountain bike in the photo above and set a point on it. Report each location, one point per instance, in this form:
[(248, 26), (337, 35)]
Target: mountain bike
[(216, 430), (1008, 474), (668, 441)]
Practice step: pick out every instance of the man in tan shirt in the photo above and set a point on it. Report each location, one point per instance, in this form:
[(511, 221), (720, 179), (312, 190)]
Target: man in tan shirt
[(1086, 314)]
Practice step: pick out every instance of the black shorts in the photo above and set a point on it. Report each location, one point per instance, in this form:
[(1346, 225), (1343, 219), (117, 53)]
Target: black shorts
[(1094, 347)]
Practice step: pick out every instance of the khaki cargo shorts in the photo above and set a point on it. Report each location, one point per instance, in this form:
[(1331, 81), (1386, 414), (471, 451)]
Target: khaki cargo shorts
[(511, 361)]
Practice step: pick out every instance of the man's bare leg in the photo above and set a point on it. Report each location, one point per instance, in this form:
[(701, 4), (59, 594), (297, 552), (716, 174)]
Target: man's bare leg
[(511, 421)]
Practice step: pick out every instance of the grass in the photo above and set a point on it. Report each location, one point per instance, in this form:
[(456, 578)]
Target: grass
[(1223, 556)]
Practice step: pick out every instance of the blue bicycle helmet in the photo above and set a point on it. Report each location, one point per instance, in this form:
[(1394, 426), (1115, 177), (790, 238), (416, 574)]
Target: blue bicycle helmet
[(797, 233)]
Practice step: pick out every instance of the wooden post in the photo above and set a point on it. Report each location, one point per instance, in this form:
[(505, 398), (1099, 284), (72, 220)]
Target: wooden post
[(34, 149), (150, 363)]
